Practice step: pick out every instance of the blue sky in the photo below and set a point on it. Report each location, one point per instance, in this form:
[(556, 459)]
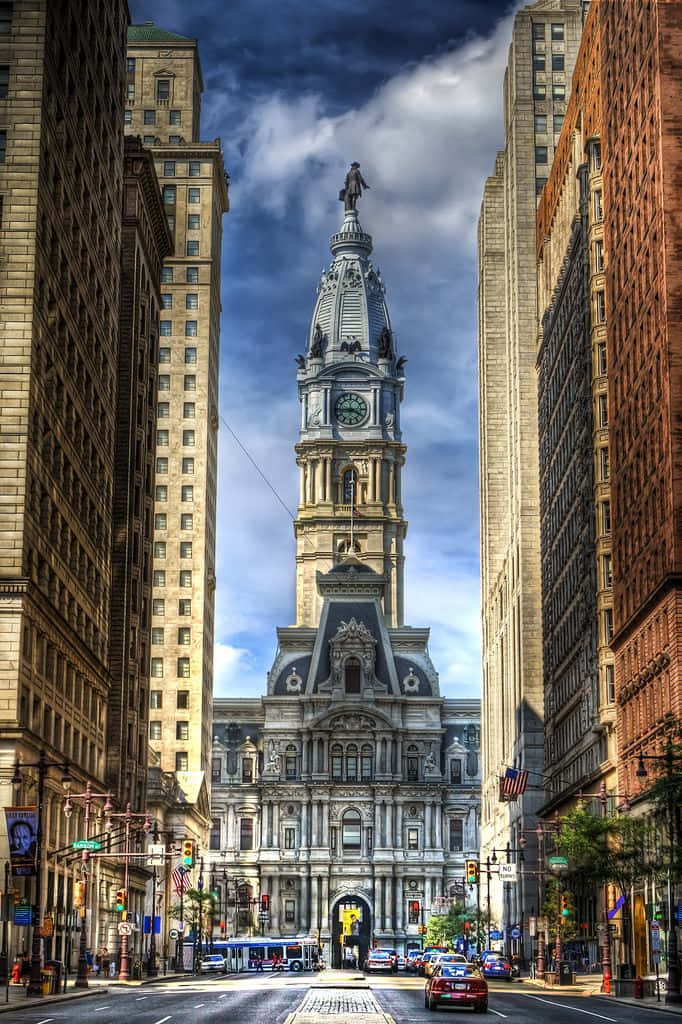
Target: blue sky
[(296, 91)]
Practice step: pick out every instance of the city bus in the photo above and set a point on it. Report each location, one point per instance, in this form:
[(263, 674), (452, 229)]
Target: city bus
[(244, 954)]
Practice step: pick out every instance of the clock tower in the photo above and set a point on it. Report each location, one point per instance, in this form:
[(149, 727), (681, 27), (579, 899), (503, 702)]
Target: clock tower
[(350, 453)]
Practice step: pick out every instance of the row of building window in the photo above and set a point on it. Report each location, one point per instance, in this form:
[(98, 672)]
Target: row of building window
[(189, 409), (159, 607), (193, 224), (191, 300), (158, 635), (351, 829), (170, 195), (351, 764), (168, 275), (189, 382), (556, 30), (186, 492), (186, 465), (156, 730), (160, 548), (558, 91), (540, 63), (166, 329), (186, 523), (174, 116), (163, 437), (182, 668), (181, 700), (541, 124)]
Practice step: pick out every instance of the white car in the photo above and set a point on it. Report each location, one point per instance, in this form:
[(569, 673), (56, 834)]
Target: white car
[(212, 962)]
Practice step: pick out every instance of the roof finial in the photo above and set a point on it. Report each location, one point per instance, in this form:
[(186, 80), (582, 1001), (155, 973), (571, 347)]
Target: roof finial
[(352, 189)]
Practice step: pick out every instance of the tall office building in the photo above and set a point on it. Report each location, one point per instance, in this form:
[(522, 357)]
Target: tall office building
[(164, 85), (543, 49), (642, 86), (61, 189)]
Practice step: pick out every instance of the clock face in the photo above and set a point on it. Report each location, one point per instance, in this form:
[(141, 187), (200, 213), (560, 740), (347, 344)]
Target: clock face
[(351, 409)]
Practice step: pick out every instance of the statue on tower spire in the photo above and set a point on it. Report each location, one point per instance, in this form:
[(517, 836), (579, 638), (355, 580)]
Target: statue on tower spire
[(352, 189)]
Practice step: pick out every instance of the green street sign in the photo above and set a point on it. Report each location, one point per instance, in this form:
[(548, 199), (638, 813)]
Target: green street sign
[(559, 862), (86, 844)]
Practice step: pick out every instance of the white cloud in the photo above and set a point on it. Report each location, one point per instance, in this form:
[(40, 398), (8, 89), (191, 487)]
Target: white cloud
[(426, 141)]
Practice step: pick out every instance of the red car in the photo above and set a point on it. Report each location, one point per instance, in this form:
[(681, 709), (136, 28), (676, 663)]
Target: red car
[(457, 985)]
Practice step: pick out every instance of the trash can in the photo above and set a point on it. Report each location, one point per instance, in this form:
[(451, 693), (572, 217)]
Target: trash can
[(565, 973), (639, 988), (626, 972), (47, 981), (58, 968)]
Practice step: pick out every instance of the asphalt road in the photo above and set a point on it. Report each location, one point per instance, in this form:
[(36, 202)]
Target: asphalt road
[(268, 999), (513, 1004), (265, 1000)]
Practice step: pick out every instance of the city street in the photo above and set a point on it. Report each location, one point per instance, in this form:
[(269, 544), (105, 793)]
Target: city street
[(270, 999)]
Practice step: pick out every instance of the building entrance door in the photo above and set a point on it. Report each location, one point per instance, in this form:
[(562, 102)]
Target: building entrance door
[(351, 931)]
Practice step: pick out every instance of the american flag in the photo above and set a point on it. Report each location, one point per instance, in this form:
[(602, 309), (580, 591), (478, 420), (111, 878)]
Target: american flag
[(513, 783), (180, 879)]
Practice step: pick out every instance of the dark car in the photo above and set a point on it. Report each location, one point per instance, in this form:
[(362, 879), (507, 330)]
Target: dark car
[(456, 985), (496, 966)]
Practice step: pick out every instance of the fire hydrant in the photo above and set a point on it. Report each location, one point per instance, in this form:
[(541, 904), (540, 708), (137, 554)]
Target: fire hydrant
[(639, 988)]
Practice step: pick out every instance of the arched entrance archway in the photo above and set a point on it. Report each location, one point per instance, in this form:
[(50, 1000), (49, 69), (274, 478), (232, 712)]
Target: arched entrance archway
[(351, 921)]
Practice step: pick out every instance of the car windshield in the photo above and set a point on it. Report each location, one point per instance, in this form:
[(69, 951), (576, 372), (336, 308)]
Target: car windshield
[(215, 957), (379, 956), (458, 971)]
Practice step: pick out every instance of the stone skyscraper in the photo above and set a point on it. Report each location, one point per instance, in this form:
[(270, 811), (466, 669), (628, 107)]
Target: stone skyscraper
[(544, 45), (164, 85), (352, 784)]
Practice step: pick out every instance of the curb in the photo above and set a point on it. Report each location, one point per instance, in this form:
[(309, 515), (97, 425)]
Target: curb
[(64, 997)]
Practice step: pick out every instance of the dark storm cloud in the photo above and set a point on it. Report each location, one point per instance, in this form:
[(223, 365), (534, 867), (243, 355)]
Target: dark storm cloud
[(295, 91)]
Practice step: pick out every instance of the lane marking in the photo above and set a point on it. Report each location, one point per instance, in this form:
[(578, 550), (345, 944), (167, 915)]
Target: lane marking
[(46, 1020), (162, 1020), (576, 1009), (138, 999), (101, 1007), (199, 1005), (497, 1012)]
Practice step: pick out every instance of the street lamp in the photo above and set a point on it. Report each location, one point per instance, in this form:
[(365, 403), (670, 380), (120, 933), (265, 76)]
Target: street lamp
[(87, 797), (672, 994), (128, 817), (34, 987)]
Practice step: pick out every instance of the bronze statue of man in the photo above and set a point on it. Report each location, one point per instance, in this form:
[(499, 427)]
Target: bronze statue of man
[(352, 190)]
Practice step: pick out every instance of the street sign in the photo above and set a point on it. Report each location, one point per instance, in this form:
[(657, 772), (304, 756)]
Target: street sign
[(532, 921), (156, 855), (173, 933), (86, 844), (496, 934), (23, 914), (47, 927), (558, 862), (508, 872), (125, 928), (655, 937), (516, 933)]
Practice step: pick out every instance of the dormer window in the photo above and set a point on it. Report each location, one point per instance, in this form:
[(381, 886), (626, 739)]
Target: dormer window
[(456, 772), (352, 673), (247, 769)]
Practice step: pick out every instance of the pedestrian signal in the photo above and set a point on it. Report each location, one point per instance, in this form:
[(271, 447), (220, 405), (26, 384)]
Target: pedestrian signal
[(265, 903)]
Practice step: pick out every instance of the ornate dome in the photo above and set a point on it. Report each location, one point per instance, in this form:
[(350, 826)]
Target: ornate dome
[(350, 309)]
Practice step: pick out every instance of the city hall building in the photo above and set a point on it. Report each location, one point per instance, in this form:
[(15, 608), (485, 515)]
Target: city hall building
[(350, 791)]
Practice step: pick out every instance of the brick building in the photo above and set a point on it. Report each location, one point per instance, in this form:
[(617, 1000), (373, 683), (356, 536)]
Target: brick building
[(642, 89)]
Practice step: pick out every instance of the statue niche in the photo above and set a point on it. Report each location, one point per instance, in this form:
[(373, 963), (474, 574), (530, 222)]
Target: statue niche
[(352, 656)]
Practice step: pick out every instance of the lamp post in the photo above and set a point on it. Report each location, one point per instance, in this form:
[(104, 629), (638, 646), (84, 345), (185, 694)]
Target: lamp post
[(43, 764), (87, 797), (509, 849), (488, 862), (540, 833), (200, 889), (151, 960), (128, 817), (672, 994)]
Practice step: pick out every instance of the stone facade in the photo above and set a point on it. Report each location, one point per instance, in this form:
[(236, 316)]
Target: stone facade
[(164, 86), (544, 45), (574, 439), (352, 784)]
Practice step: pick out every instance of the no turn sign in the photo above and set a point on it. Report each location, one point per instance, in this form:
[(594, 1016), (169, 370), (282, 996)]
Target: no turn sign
[(125, 928)]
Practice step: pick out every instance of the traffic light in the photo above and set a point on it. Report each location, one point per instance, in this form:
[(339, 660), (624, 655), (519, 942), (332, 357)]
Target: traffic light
[(188, 852), (265, 903), (565, 904), (414, 907), (120, 899), (472, 872)]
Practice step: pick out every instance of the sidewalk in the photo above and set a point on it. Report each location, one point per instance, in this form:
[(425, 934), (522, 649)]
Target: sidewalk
[(96, 986), (590, 985)]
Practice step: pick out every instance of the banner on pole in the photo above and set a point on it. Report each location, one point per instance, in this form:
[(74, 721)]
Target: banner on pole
[(22, 831)]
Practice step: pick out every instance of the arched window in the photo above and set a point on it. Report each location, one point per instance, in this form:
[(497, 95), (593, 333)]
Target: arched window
[(350, 487), (351, 762), (336, 755), (412, 765), (290, 762), (352, 673), (351, 832), (366, 762)]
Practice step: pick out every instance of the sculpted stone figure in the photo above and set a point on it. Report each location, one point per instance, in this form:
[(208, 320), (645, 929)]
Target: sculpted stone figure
[(317, 343), (385, 344), (352, 190)]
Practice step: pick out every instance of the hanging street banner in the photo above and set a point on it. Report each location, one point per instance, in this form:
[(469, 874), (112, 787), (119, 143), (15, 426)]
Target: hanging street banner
[(22, 829)]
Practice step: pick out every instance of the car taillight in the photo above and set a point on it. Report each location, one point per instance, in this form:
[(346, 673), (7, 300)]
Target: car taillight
[(477, 985), (441, 985), (507, 967)]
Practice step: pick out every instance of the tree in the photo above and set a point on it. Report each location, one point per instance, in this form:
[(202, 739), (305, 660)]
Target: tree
[(197, 910), (445, 929)]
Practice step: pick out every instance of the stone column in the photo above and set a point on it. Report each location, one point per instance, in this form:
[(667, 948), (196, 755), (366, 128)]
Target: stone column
[(391, 484), (325, 822), (378, 902), (324, 898), (304, 914), (275, 824), (314, 904), (388, 906), (427, 827), (399, 825), (274, 904), (389, 825), (377, 825), (328, 480), (399, 905), (302, 486)]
